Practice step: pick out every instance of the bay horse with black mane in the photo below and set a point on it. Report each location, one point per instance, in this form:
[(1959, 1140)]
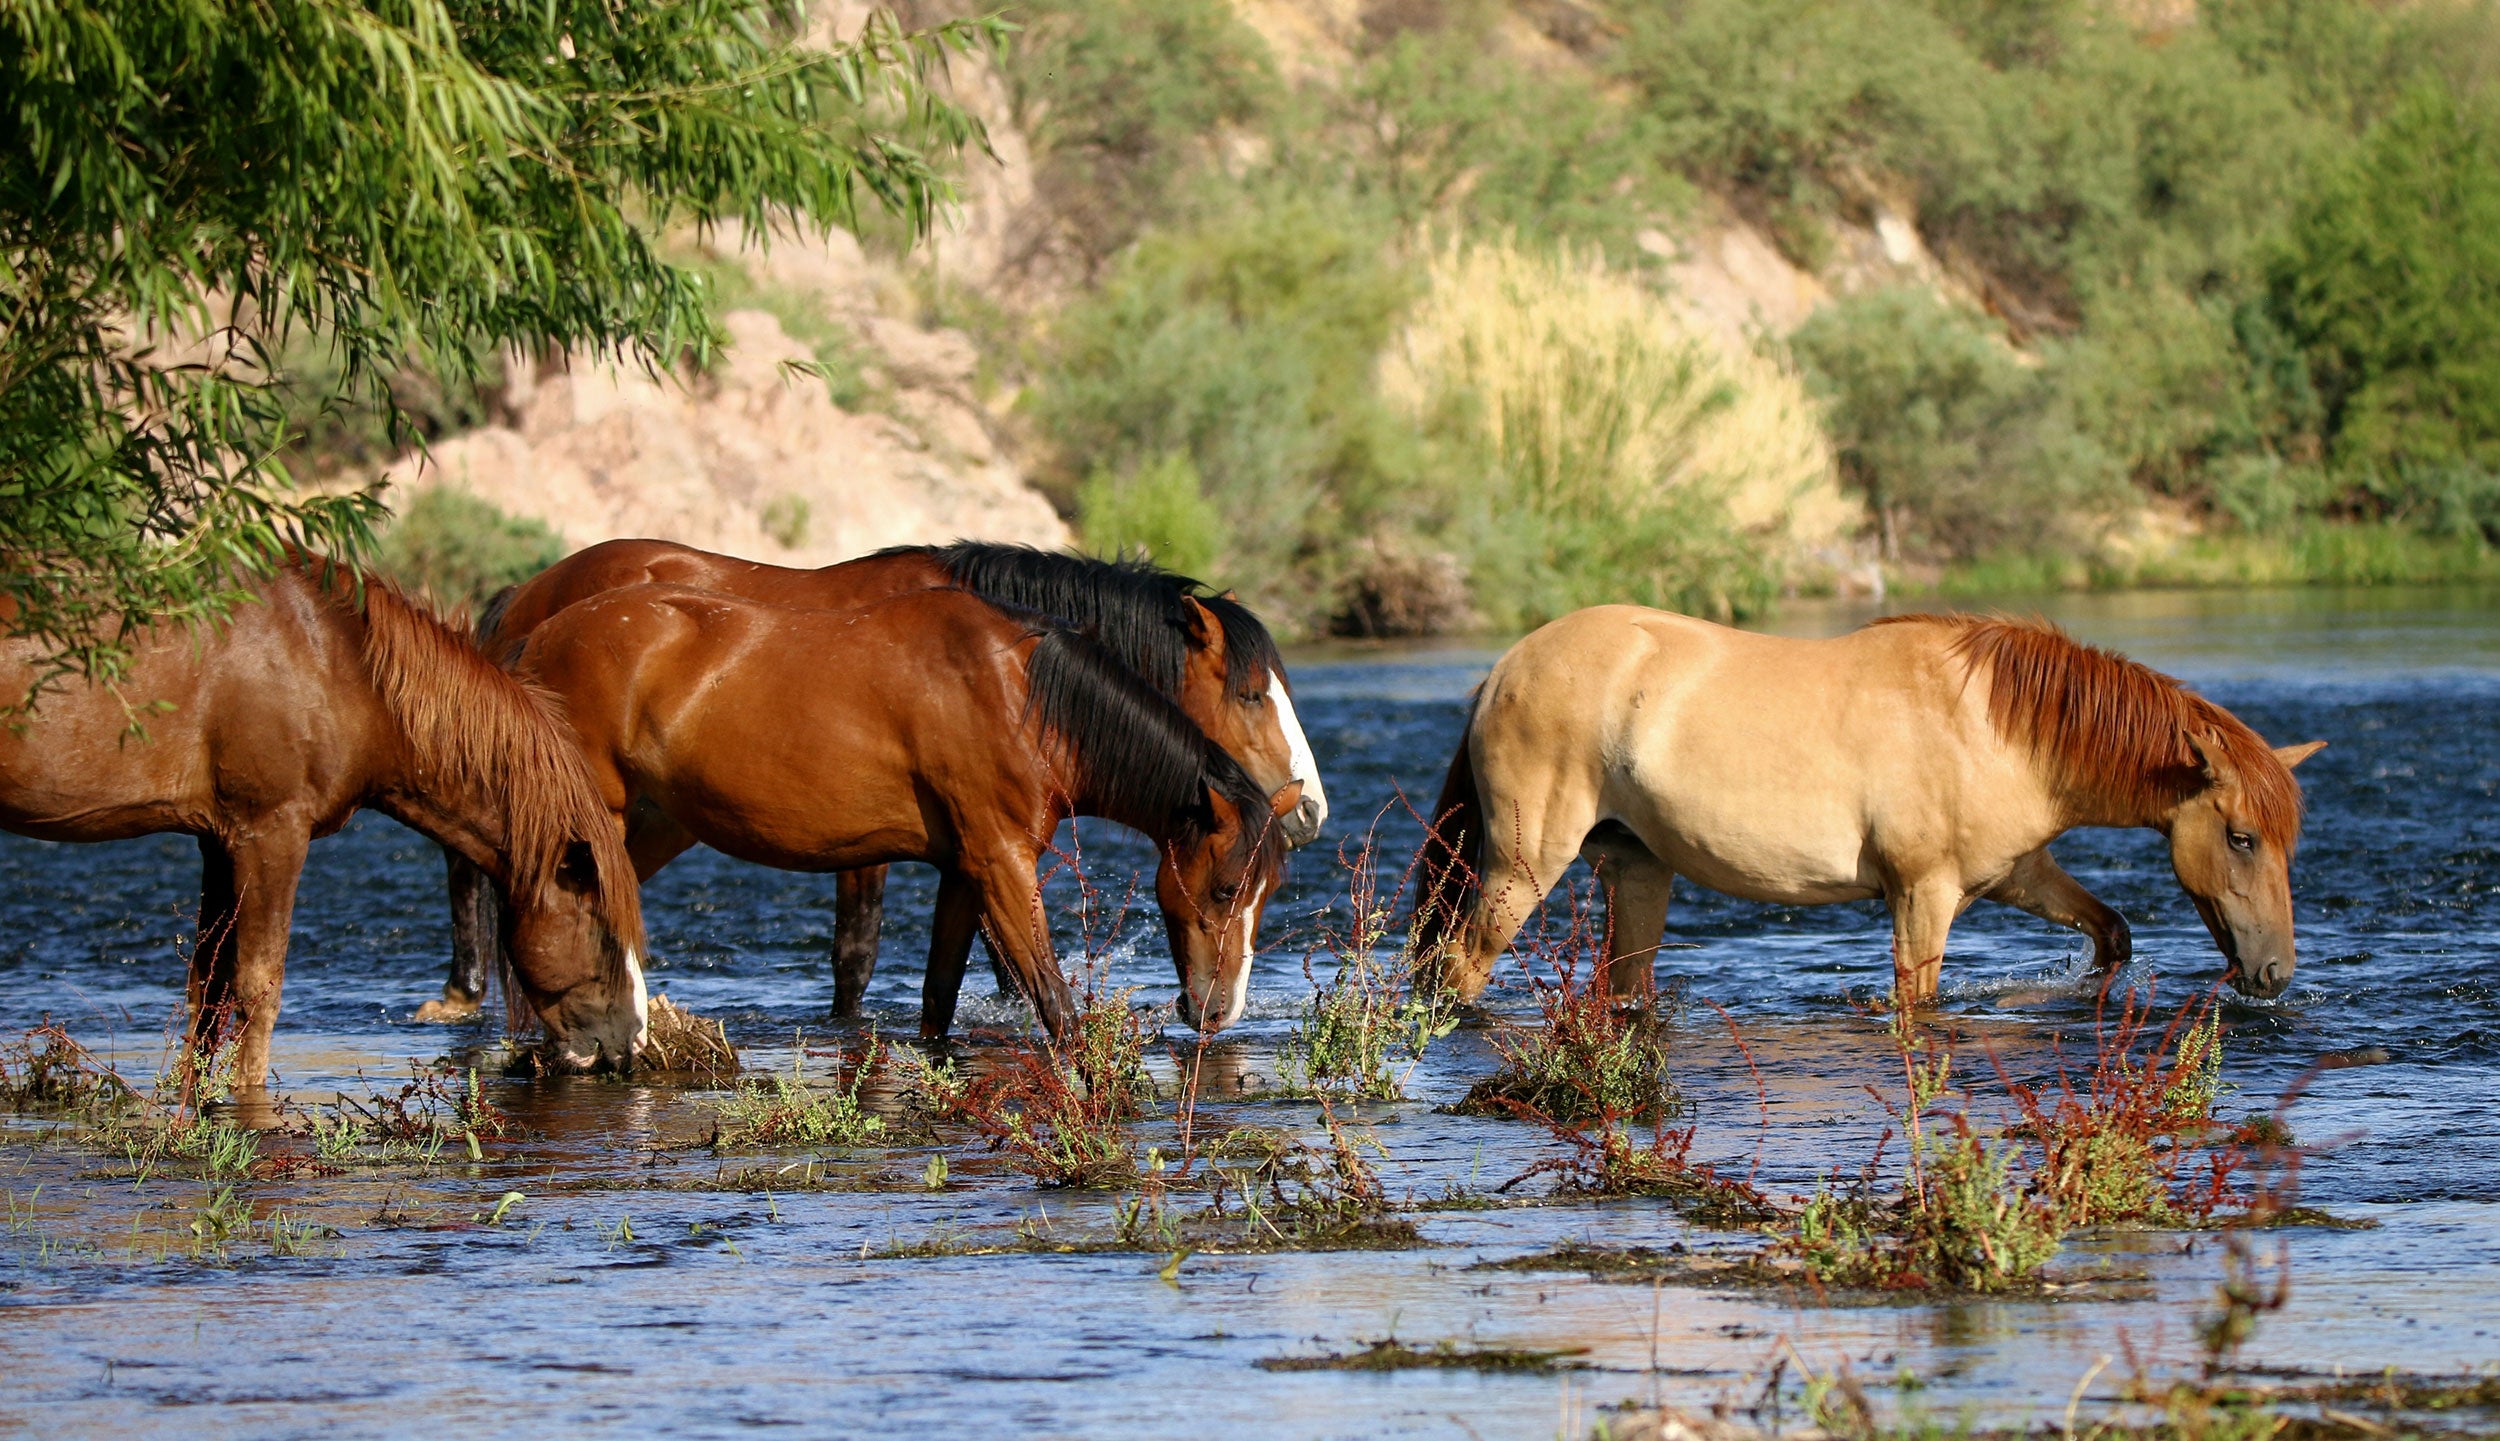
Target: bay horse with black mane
[(1206, 652), (929, 726), (1925, 759), (328, 691)]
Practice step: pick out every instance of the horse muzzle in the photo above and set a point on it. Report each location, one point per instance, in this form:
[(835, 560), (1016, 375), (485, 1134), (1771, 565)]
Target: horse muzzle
[(1300, 826)]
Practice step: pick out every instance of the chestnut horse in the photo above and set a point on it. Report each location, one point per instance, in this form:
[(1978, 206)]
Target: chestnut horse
[(930, 726), (1206, 652), (332, 691), (1925, 759)]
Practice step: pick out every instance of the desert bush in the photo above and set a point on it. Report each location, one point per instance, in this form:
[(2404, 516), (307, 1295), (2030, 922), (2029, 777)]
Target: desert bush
[(1441, 127), (1592, 445), (1160, 510), (460, 549), (1246, 345), (1956, 445), (2390, 279), (1122, 97)]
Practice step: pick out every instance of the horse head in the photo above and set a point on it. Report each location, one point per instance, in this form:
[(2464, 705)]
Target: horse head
[(1213, 891), (1241, 702), (2231, 843), (576, 951)]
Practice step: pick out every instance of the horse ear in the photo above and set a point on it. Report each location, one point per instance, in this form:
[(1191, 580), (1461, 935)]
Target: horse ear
[(2292, 756), (1205, 631), (1286, 798), (2203, 759)]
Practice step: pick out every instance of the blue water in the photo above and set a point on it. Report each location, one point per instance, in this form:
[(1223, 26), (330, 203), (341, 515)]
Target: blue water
[(2397, 891)]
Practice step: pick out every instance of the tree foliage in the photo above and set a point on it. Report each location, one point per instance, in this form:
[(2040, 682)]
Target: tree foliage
[(190, 187)]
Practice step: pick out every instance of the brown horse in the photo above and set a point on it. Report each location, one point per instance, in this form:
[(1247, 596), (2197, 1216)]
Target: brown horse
[(1207, 652), (930, 726), (329, 692), (1928, 760)]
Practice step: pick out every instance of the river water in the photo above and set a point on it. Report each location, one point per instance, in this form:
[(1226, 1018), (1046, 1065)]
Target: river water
[(730, 1307)]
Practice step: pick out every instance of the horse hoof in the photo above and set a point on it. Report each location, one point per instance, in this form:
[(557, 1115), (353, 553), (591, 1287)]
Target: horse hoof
[(447, 1009)]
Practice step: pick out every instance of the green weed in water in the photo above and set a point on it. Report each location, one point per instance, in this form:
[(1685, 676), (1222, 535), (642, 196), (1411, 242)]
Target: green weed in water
[(784, 1110)]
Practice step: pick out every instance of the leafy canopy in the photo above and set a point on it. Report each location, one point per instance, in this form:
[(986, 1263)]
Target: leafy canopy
[(186, 185)]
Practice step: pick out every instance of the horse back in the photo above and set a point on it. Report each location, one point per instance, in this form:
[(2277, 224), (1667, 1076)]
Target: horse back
[(614, 565), (268, 710), (791, 735)]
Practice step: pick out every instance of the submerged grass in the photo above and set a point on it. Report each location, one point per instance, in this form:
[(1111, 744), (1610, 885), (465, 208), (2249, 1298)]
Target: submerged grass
[(785, 1110), (1365, 1030), (1393, 1354)]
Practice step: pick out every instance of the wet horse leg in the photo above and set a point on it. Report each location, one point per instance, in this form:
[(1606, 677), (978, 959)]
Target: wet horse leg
[(858, 911), (246, 957), (210, 992), (1523, 855), (1638, 889), (2037, 884), (1018, 933), (1922, 917), (951, 929), (476, 939)]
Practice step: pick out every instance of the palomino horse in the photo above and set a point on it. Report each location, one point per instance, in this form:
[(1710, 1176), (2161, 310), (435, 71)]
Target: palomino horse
[(930, 726), (330, 692), (1206, 652), (1925, 759)]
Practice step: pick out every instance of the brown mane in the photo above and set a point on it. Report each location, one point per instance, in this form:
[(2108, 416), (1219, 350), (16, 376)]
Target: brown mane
[(2115, 731), (482, 732)]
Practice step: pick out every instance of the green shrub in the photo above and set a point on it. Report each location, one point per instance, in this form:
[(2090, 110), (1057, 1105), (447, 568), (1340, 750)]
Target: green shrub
[(2391, 281), (1161, 510), (461, 549), (1245, 345), (1444, 129), (1957, 446), (1121, 97)]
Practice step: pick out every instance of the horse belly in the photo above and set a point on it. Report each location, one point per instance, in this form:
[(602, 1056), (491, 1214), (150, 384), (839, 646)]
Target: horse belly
[(1756, 857)]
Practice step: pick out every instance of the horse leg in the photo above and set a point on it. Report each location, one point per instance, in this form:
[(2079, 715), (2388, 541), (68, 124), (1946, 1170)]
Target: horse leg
[(210, 992), (2038, 885), (858, 910), (1922, 916), (1638, 889), (1521, 861), (266, 869), (1018, 933), (476, 937), (951, 928)]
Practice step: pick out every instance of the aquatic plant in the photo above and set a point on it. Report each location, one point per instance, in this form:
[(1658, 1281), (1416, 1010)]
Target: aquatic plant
[(48, 1070), (1295, 1194), (1963, 1220), (1594, 1058), (1061, 1113), (2117, 1148), (1364, 1031), (785, 1110)]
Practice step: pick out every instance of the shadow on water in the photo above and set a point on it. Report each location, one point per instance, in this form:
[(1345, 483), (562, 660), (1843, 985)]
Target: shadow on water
[(644, 1279)]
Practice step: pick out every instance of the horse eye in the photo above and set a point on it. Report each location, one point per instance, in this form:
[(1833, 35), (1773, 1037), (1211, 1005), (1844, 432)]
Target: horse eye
[(1224, 893), (2243, 841), (1253, 697)]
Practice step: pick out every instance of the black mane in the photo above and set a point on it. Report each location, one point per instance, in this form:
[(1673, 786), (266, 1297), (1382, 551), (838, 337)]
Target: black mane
[(1144, 762), (1134, 607)]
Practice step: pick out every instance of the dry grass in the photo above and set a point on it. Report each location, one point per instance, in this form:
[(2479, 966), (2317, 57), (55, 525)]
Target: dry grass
[(1602, 394), (683, 1043)]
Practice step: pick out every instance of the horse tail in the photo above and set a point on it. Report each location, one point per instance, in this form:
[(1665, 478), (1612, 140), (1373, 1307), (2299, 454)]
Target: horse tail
[(1447, 869)]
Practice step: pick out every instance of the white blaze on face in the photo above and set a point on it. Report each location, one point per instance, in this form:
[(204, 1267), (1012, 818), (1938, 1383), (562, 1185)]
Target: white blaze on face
[(1305, 766), (1248, 922), (642, 1005)]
